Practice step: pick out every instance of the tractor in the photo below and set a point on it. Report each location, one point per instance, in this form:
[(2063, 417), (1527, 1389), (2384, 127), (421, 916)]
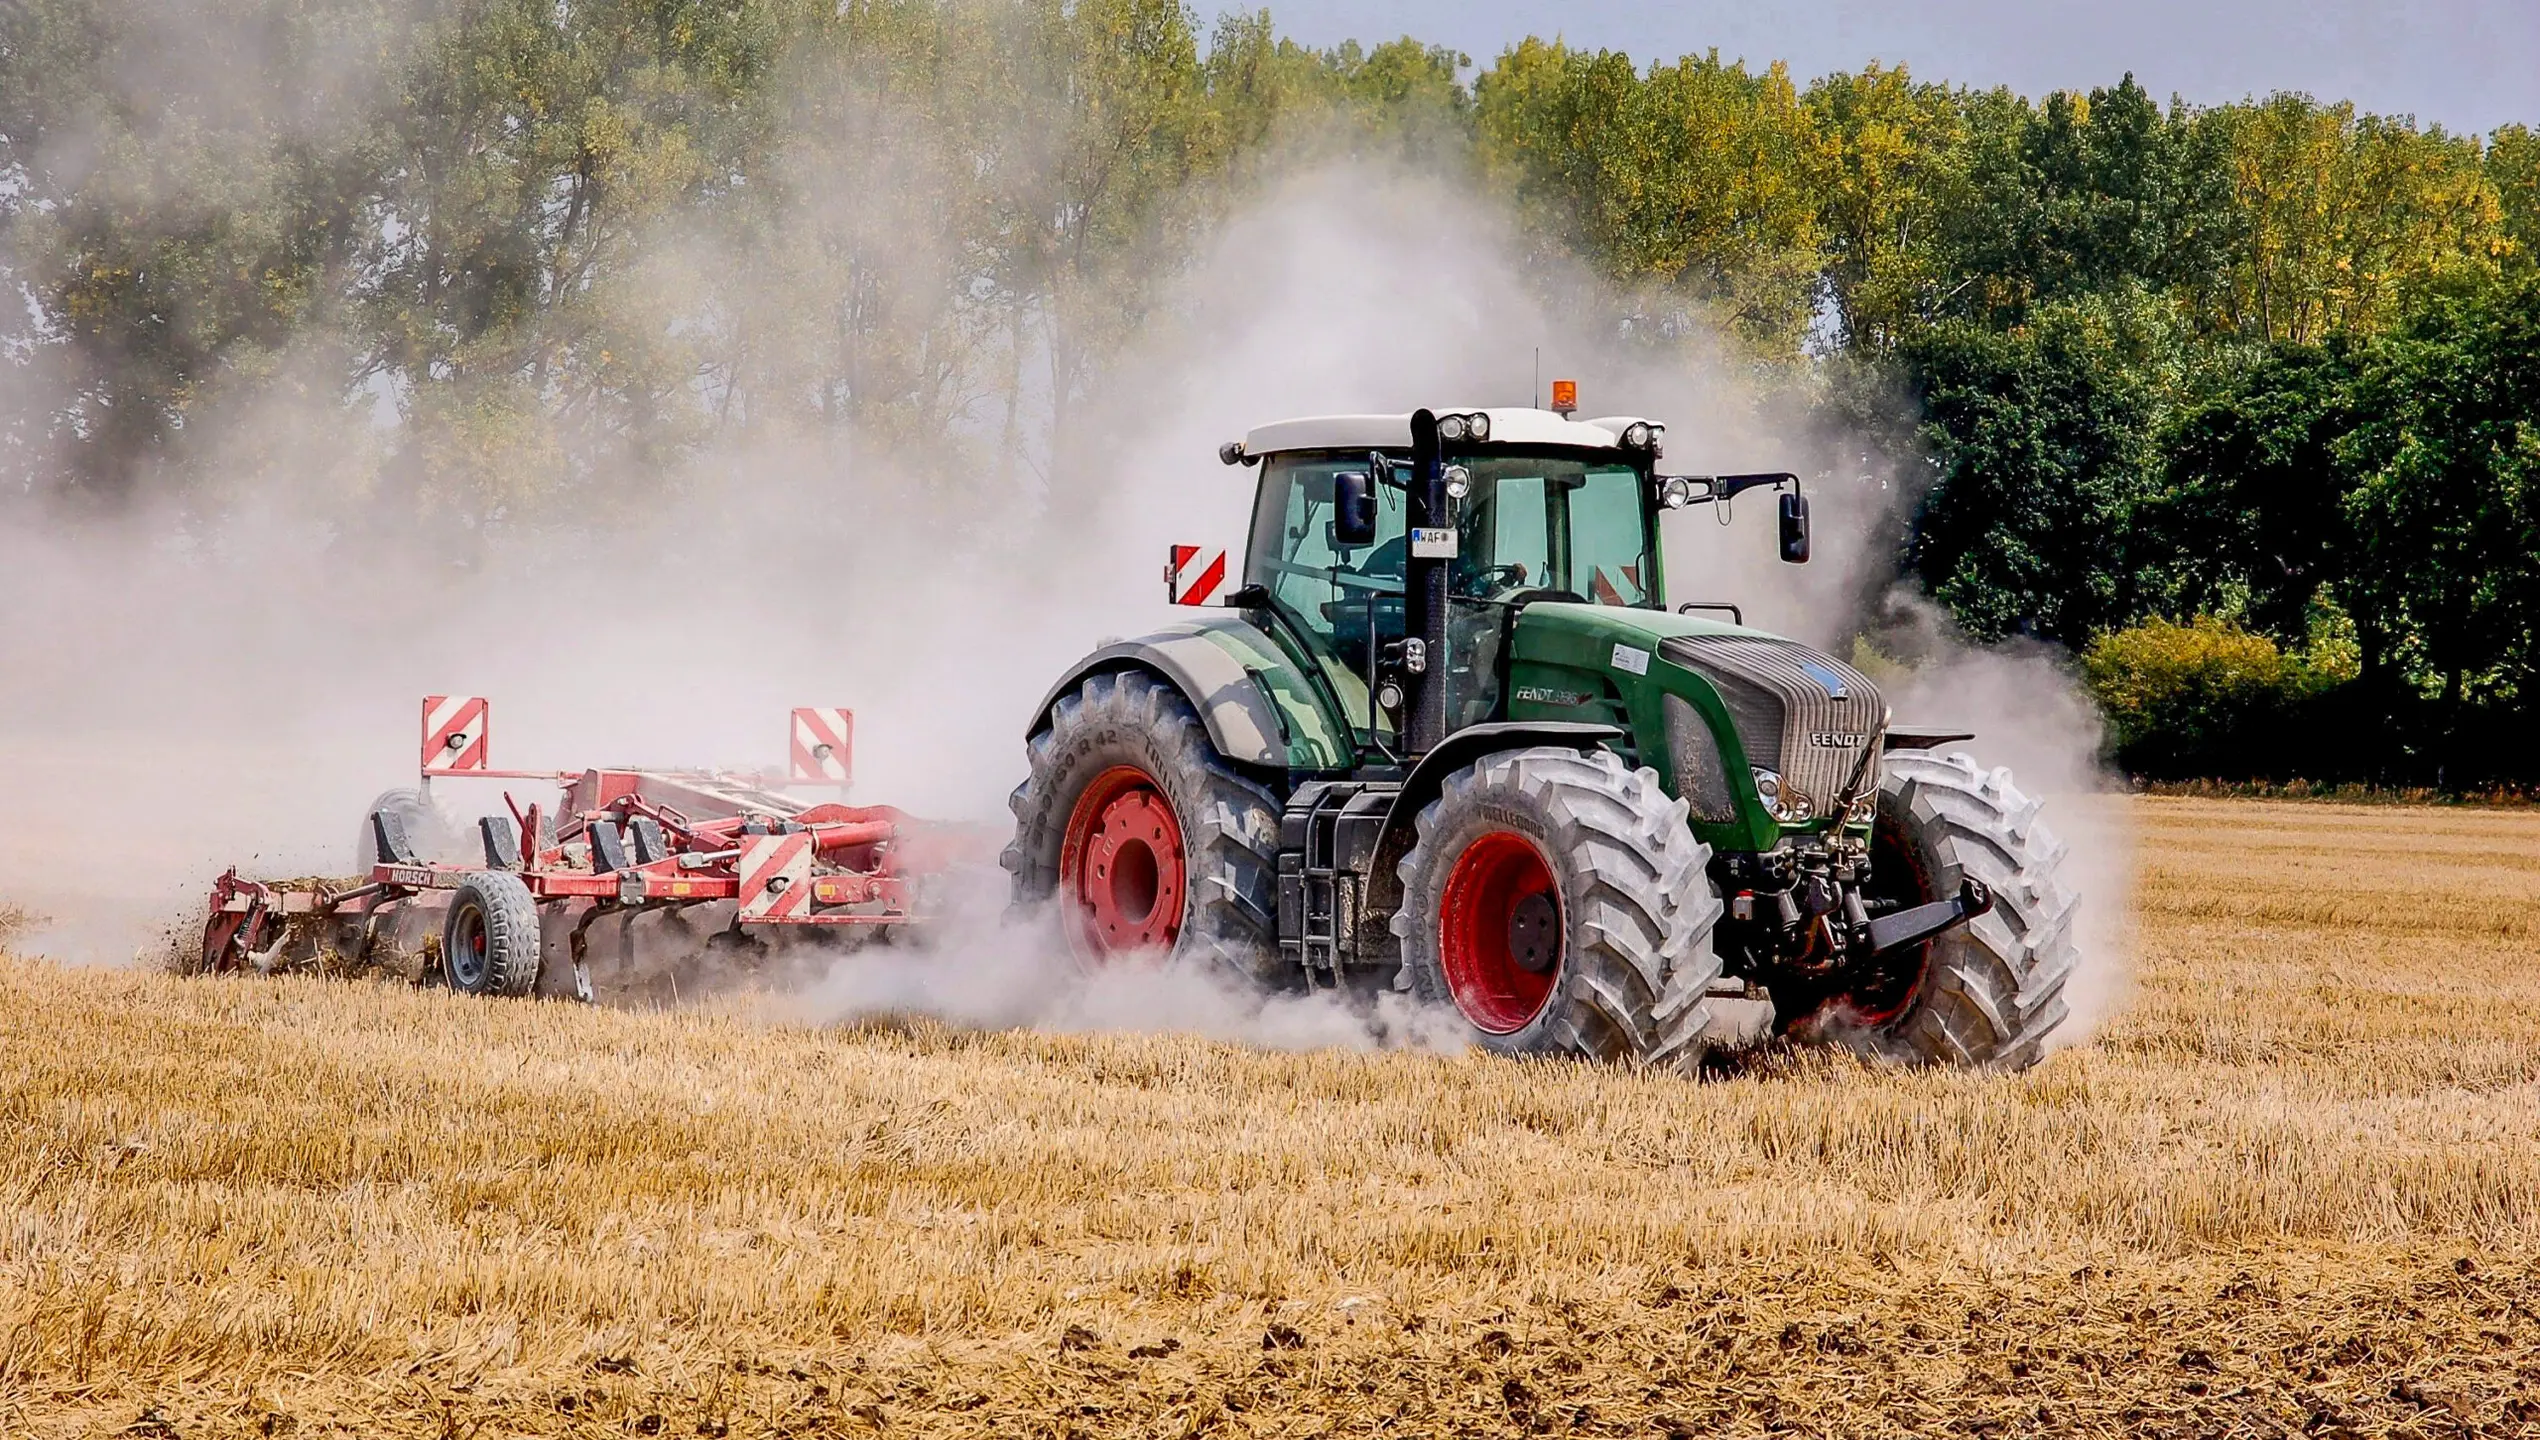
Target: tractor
[(1444, 735)]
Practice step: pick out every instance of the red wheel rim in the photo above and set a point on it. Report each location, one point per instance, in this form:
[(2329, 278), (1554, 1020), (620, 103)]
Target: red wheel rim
[(1500, 935), (1122, 866)]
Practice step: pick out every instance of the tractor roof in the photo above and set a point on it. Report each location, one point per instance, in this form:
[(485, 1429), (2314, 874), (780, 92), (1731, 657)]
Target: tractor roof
[(1514, 425)]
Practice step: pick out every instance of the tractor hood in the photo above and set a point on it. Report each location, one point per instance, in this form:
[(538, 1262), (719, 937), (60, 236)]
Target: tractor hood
[(1769, 706)]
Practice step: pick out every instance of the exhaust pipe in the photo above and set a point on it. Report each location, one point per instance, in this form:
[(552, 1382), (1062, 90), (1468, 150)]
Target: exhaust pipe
[(1432, 550)]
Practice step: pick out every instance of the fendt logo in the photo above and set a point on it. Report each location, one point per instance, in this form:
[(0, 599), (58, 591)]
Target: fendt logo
[(1837, 739)]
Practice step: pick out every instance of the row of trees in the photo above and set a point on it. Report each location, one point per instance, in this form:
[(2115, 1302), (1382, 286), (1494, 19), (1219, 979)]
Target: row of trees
[(2272, 362), (558, 241)]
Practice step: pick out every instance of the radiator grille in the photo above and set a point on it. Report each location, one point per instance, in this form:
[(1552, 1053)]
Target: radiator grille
[(1805, 714)]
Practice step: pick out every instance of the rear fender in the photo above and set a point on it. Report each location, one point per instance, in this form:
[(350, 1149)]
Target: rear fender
[(1257, 709)]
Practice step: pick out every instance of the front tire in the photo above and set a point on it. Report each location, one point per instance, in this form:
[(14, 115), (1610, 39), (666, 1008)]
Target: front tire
[(1151, 842), (490, 939), (1558, 902), (1988, 994)]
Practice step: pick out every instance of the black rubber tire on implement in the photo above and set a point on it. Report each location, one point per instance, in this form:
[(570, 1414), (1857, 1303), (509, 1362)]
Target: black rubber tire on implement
[(490, 939), (1229, 822), (426, 831), (1988, 994), (1635, 910)]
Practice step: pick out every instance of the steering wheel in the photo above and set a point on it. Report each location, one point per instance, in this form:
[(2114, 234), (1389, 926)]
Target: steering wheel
[(1490, 578)]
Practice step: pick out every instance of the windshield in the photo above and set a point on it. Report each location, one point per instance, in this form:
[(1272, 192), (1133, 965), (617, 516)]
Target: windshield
[(1576, 527)]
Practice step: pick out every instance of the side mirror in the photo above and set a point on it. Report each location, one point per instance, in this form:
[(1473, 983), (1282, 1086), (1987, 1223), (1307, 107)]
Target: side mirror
[(1353, 509), (1795, 529)]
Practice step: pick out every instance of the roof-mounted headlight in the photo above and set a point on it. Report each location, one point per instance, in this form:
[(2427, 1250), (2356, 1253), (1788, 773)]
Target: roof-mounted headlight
[(1639, 435), (1453, 427), (1481, 425)]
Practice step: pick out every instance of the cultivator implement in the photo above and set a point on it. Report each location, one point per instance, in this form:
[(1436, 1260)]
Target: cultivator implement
[(618, 842)]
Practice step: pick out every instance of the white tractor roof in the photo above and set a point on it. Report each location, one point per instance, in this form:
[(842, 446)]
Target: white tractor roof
[(1513, 425)]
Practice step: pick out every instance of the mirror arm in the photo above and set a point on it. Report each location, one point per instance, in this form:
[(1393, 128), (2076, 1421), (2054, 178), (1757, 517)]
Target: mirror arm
[(1729, 487), (1708, 488)]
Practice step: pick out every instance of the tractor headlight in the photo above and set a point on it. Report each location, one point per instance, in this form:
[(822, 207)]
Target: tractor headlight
[(1453, 427), (1676, 492), (1636, 435), (1459, 482), (1480, 425), (1788, 803)]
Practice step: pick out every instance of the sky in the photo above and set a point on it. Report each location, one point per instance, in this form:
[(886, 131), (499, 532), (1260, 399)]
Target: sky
[(2469, 65)]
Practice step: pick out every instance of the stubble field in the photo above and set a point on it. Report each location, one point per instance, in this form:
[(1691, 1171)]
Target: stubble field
[(2293, 1188)]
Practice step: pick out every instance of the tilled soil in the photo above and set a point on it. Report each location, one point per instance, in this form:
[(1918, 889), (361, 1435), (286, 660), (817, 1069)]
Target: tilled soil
[(2292, 1188)]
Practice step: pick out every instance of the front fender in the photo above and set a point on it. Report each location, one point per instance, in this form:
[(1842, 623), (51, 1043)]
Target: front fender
[(1428, 778)]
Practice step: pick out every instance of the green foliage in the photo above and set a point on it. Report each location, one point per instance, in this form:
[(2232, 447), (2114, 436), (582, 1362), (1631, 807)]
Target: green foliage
[(2348, 217), (2154, 360), (1697, 177), (514, 223), (2445, 514), (2254, 489), (2208, 697), (2041, 437)]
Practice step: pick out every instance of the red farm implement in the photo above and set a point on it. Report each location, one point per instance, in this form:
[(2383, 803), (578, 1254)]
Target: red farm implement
[(616, 842)]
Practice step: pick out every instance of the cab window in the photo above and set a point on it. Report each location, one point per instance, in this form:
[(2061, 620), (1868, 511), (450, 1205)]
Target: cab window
[(1340, 596), (1556, 524)]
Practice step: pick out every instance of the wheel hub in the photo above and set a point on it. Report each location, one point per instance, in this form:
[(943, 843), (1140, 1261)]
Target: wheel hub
[(1123, 867), (468, 947), (1534, 934), (1500, 932)]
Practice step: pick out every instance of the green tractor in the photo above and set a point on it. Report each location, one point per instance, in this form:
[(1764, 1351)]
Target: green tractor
[(1445, 736)]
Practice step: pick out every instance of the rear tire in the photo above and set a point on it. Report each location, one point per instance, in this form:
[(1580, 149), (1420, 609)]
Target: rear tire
[(1125, 781), (490, 938), (1988, 994), (1630, 907)]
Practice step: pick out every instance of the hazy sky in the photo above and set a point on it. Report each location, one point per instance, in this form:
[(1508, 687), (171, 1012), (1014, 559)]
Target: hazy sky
[(2467, 64)]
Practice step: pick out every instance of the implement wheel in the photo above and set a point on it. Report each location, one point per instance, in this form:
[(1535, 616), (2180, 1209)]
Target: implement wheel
[(1558, 903), (1987, 994), (1149, 840), (489, 940)]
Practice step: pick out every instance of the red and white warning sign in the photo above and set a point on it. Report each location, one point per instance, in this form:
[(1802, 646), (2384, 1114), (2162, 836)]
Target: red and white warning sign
[(775, 877), (1194, 575), (824, 746), (454, 733)]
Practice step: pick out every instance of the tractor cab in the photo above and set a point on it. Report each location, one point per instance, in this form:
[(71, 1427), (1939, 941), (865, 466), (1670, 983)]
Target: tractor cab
[(1535, 507), (1551, 510)]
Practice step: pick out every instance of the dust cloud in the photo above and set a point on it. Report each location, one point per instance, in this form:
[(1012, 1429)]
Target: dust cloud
[(191, 686)]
